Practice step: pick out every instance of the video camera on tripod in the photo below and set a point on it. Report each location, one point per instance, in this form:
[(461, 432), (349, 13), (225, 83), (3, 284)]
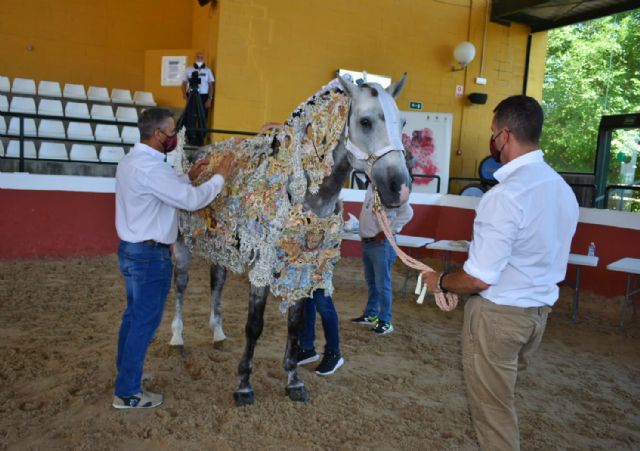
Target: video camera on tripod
[(193, 116), (194, 82)]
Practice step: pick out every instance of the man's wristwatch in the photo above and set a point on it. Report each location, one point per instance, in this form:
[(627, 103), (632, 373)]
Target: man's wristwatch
[(440, 288)]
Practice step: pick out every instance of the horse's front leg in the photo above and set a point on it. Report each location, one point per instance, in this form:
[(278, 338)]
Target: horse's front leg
[(255, 321), (295, 387), (218, 275), (181, 279)]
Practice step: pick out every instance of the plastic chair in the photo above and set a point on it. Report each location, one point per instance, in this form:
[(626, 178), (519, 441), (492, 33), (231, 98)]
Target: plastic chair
[(3, 126), (13, 149), (49, 89), (48, 107), (4, 104), (111, 154), (77, 109), (29, 127), (107, 133), (80, 130), (130, 135), (73, 91), (52, 151), (144, 98), (126, 114), (1, 148), (22, 105), (51, 129), (98, 94), (121, 96), (4, 84), (24, 86), (104, 112), (83, 152)]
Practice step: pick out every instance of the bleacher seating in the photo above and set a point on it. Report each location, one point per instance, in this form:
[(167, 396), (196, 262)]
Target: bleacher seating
[(23, 86), (52, 151), (77, 109), (49, 89), (49, 107), (49, 128), (80, 130), (29, 127), (98, 94), (22, 105), (121, 96), (143, 98), (3, 126), (111, 154), (108, 133), (5, 86), (130, 135), (1, 149), (103, 112), (13, 149), (126, 114), (83, 152), (74, 91), (4, 103)]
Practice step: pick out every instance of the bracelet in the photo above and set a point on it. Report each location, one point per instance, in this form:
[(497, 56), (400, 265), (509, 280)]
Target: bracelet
[(440, 288)]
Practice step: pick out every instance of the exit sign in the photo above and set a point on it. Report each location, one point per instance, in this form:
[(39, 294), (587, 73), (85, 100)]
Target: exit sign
[(415, 105)]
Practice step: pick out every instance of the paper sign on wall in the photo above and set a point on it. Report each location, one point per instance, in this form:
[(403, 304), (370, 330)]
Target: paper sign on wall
[(173, 70)]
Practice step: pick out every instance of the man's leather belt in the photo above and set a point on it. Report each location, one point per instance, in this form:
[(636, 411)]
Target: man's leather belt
[(370, 240), (154, 243)]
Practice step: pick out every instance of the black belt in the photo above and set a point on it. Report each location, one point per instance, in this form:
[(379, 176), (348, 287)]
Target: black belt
[(154, 243), (370, 240)]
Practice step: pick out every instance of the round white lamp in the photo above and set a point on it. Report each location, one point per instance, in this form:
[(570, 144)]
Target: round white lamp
[(463, 54)]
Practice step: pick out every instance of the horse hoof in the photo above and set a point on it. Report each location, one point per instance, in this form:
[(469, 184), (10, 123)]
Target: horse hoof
[(299, 394), (245, 398), (180, 349), (219, 344)]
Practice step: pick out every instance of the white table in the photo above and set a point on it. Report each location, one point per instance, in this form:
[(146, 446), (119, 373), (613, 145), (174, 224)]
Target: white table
[(630, 266), (448, 246), (579, 260)]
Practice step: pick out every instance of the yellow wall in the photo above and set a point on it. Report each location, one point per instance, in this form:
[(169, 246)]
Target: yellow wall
[(164, 95)]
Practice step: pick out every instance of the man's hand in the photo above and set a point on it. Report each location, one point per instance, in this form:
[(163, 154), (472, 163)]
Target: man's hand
[(227, 166), (197, 169), (207, 104), (430, 278)]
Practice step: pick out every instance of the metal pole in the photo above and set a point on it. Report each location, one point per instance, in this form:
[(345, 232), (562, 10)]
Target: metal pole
[(21, 162)]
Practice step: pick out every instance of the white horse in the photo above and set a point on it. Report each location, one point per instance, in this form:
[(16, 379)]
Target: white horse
[(370, 142)]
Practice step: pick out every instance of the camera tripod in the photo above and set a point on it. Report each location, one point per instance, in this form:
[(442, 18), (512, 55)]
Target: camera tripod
[(193, 117)]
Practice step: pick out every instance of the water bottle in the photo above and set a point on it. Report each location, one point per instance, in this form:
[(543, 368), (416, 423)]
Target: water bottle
[(591, 252)]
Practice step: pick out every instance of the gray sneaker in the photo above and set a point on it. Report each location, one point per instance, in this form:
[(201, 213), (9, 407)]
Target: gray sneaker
[(142, 400)]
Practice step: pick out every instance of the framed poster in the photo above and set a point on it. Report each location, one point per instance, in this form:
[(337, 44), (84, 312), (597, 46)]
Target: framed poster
[(428, 137), (172, 70)]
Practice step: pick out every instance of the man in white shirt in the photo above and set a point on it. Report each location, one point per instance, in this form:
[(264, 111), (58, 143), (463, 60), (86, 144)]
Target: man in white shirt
[(205, 91), (148, 194), (377, 258), (521, 239)]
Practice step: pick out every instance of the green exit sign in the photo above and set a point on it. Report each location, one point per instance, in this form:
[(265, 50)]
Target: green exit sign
[(415, 105)]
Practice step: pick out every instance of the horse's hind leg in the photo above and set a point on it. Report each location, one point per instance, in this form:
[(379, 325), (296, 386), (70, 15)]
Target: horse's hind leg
[(253, 329), (218, 275), (295, 387), (181, 279)]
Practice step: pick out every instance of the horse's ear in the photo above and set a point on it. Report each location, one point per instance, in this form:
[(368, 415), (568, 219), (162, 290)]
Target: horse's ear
[(347, 85), (396, 88)]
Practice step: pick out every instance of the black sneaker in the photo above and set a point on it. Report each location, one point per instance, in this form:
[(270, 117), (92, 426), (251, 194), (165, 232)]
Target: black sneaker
[(309, 356), (383, 328), (330, 363), (366, 320)]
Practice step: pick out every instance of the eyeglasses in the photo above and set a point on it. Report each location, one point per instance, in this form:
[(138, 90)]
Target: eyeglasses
[(168, 136), (493, 138)]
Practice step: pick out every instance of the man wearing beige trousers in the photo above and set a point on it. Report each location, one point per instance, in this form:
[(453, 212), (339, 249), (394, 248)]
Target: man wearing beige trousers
[(521, 239)]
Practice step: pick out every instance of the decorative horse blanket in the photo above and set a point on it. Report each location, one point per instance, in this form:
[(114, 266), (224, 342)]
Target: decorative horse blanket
[(258, 220)]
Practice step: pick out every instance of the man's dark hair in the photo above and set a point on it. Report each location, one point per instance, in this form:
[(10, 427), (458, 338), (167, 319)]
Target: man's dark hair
[(151, 119), (523, 116)]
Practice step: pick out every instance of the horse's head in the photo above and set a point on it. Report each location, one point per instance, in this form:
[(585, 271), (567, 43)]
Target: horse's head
[(373, 138)]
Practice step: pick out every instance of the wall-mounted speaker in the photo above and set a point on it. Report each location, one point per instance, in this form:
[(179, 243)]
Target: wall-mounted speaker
[(479, 98)]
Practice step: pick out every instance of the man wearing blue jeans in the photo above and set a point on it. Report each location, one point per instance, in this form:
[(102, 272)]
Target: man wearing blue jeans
[(332, 360), (378, 257), (148, 194)]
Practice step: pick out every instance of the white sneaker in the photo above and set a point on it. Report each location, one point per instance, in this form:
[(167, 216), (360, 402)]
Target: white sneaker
[(142, 400)]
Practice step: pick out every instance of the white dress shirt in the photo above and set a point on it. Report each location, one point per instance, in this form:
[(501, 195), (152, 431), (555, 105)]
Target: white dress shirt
[(522, 234), (369, 226), (149, 192), (206, 77)]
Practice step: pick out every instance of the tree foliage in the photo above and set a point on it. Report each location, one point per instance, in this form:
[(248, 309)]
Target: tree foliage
[(593, 69)]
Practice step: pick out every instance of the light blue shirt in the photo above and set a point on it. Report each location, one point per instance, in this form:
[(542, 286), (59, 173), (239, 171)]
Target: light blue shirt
[(522, 234)]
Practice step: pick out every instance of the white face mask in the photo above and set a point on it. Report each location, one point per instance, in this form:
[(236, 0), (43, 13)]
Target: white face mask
[(199, 63)]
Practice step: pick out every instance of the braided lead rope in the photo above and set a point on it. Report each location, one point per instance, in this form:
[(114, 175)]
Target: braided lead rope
[(445, 301)]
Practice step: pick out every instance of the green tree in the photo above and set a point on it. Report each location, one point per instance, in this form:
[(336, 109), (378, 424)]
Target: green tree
[(593, 69)]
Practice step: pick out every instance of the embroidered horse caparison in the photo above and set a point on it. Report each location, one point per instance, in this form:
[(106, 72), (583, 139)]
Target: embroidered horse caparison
[(280, 218)]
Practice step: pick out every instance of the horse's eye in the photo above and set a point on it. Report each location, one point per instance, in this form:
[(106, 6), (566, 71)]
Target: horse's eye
[(365, 122)]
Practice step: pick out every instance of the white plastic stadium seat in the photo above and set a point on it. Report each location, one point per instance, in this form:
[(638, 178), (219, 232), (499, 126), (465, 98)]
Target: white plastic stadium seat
[(51, 129), (73, 91), (130, 135), (52, 151), (126, 114), (83, 152), (48, 107), (22, 105), (29, 127), (3, 126), (1, 148), (121, 96), (4, 104), (80, 130), (76, 109), (49, 89), (111, 154), (107, 133), (13, 149), (98, 94), (24, 86), (4, 84), (144, 98), (104, 112)]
